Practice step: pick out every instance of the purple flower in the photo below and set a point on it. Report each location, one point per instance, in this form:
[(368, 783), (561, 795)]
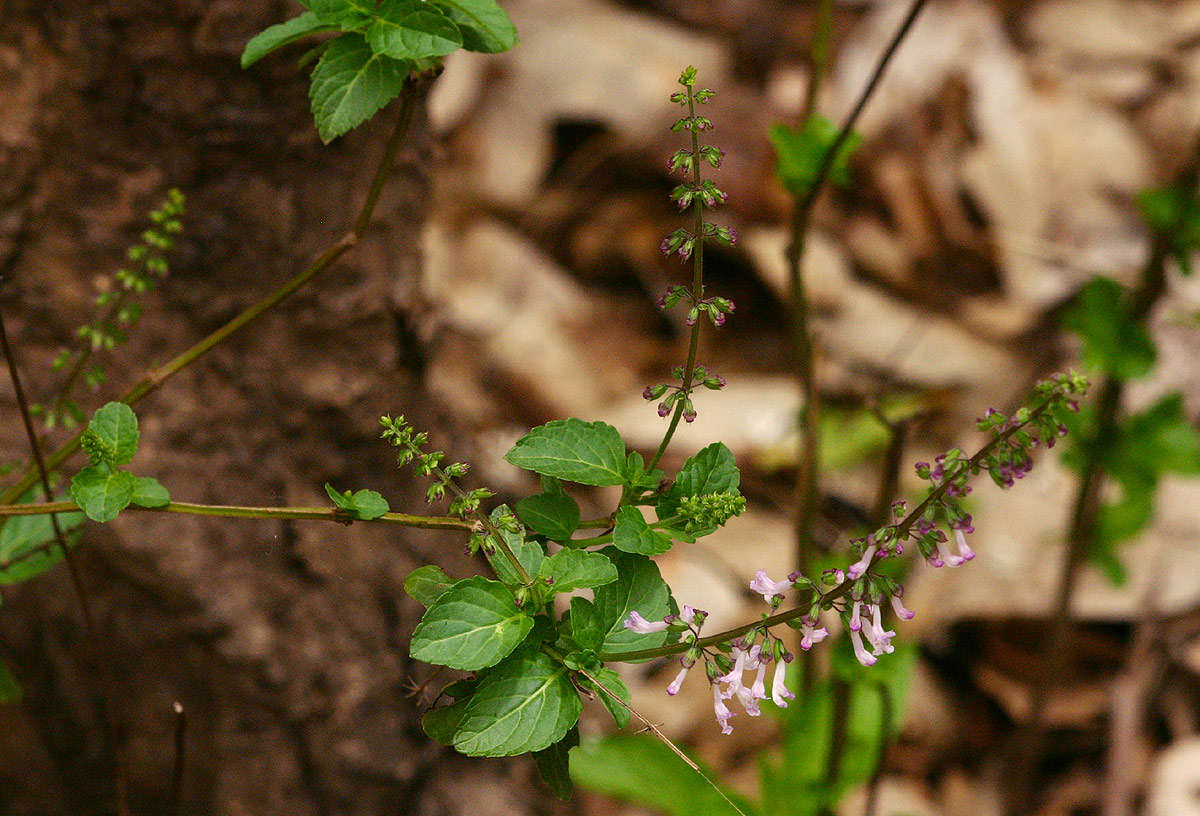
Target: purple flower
[(665, 248), (855, 618), (636, 623), (663, 409), (901, 612), (964, 550), (860, 652), (721, 710), (779, 692), (648, 394), (767, 588), (673, 689), (810, 633), (880, 638), (859, 567)]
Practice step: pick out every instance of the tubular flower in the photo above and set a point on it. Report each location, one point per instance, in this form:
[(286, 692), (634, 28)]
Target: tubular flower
[(901, 612), (855, 617), (770, 590), (721, 710), (860, 652), (810, 633), (779, 692), (859, 567), (636, 623), (880, 638), (673, 689)]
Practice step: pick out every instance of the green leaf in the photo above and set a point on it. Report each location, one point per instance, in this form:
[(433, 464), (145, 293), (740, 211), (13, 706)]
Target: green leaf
[(1113, 341), (400, 33), (799, 153), (485, 26), (640, 769), (102, 493), (553, 764), (527, 703), (473, 625), (282, 34), (10, 689), (363, 505), (554, 515), (426, 584), (529, 553), (147, 492), (609, 679), (441, 723), (712, 470), (639, 588), (351, 83), (1160, 439), (590, 453), (586, 627), (348, 15), (1175, 213), (633, 535), (112, 435), (22, 555), (577, 569)]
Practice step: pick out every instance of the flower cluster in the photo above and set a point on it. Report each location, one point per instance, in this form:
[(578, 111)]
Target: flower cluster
[(409, 443), (681, 393)]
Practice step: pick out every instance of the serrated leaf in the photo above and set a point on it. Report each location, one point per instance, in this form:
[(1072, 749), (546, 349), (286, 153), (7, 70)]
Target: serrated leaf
[(10, 689), (114, 434), (426, 584), (577, 569), (1113, 341), (639, 588), (21, 535), (586, 627), (640, 769), (441, 723), (553, 764), (485, 26), (590, 453), (612, 681), (282, 34), (472, 625), (712, 470), (527, 703), (400, 33), (102, 493), (633, 535), (363, 505), (554, 515), (148, 492), (350, 84), (347, 15)]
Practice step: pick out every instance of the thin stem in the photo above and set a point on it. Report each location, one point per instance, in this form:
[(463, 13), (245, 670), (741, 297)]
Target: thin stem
[(689, 369), (490, 526), (156, 377), (818, 58), (837, 736), (180, 762), (842, 589), (886, 715)]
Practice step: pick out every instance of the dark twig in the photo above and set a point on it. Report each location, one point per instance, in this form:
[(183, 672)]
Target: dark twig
[(177, 767)]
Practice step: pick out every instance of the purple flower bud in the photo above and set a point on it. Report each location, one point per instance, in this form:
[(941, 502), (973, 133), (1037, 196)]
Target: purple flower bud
[(689, 415), (733, 236), (663, 409), (647, 394), (665, 246)]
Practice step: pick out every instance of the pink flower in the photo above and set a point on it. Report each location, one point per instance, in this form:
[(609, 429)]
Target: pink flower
[(898, 607), (810, 633), (860, 651), (759, 689), (779, 692), (855, 619), (688, 615), (673, 689), (734, 677), (880, 638), (721, 710), (637, 623), (859, 567), (963, 549), (947, 557), (767, 588)]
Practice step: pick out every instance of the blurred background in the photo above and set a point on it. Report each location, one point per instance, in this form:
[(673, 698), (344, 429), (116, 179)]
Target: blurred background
[(511, 278)]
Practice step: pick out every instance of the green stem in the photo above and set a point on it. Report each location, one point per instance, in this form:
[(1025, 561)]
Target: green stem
[(842, 589), (697, 292), (156, 377)]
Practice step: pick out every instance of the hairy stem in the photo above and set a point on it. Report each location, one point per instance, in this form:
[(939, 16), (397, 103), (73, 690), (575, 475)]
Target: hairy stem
[(410, 99)]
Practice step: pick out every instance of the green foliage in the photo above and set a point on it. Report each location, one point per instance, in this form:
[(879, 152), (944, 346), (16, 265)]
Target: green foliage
[(712, 470), (441, 723), (472, 625), (378, 47), (553, 764), (426, 584), (633, 535), (586, 627), (551, 513), (529, 553), (102, 493), (1174, 212), (363, 505), (610, 680), (102, 490), (149, 492), (799, 153), (590, 453), (24, 553), (111, 437), (640, 769), (1113, 341), (638, 588), (569, 570), (527, 703), (10, 689)]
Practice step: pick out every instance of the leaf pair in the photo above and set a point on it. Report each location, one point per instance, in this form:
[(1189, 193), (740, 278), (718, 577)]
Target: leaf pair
[(102, 490)]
